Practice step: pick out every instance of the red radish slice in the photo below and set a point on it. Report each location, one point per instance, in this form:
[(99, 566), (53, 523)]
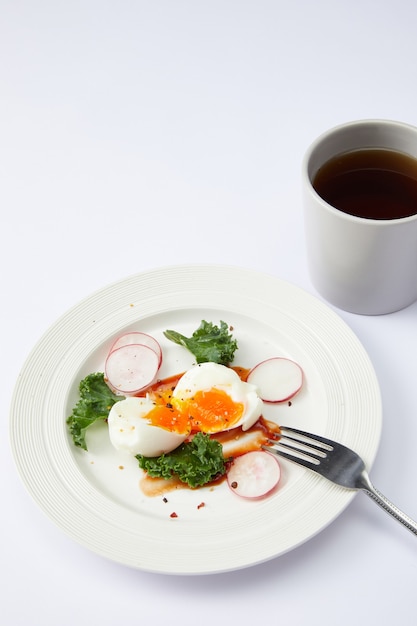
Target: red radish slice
[(254, 474), (136, 337), (277, 379), (131, 368)]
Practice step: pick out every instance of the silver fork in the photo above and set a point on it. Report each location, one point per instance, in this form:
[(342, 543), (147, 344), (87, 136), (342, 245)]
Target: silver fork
[(335, 462)]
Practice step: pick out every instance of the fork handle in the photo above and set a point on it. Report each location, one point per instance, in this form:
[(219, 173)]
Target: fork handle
[(390, 508)]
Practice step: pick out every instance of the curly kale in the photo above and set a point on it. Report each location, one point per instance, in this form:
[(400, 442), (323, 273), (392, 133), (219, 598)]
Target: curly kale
[(196, 462), (96, 400), (208, 343)]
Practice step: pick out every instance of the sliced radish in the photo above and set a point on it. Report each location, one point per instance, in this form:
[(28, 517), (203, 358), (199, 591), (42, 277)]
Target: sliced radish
[(136, 338), (277, 379), (131, 368), (254, 474)]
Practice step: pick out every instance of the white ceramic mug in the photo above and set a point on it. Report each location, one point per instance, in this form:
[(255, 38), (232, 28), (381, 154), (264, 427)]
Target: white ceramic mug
[(365, 266)]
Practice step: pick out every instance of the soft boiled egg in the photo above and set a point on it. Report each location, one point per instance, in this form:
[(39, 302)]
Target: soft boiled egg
[(209, 397), (215, 399), (139, 426)]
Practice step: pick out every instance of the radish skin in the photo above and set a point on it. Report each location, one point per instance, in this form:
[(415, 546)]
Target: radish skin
[(254, 474), (131, 368), (278, 379), (137, 338)]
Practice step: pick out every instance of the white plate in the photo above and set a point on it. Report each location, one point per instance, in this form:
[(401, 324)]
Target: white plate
[(100, 505)]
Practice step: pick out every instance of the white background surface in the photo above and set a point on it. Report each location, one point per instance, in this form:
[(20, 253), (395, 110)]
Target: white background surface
[(141, 134)]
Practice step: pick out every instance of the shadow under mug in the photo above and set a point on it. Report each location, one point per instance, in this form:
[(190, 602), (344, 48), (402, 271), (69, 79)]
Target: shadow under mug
[(365, 266)]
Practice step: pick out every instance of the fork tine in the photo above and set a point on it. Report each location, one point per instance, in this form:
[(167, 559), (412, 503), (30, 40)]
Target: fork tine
[(300, 459), (301, 447), (302, 451), (307, 438)]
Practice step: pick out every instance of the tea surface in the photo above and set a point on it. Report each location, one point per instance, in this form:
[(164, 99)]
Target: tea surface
[(371, 183)]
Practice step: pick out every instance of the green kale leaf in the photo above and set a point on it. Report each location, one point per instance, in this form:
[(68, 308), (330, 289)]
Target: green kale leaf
[(208, 343), (96, 400), (196, 462)]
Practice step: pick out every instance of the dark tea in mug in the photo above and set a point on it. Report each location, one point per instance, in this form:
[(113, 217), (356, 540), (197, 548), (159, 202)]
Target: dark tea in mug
[(372, 183)]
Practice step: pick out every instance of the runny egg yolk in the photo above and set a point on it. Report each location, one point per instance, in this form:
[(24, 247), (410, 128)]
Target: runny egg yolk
[(209, 411), (167, 417)]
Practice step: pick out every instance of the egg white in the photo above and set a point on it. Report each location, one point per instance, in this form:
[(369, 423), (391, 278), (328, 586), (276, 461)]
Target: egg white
[(206, 376), (131, 431)]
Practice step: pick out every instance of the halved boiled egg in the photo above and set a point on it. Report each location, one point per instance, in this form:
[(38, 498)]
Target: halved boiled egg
[(214, 399), (139, 426), (210, 398)]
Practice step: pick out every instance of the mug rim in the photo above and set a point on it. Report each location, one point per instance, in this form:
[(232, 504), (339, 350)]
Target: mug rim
[(326, 135)]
